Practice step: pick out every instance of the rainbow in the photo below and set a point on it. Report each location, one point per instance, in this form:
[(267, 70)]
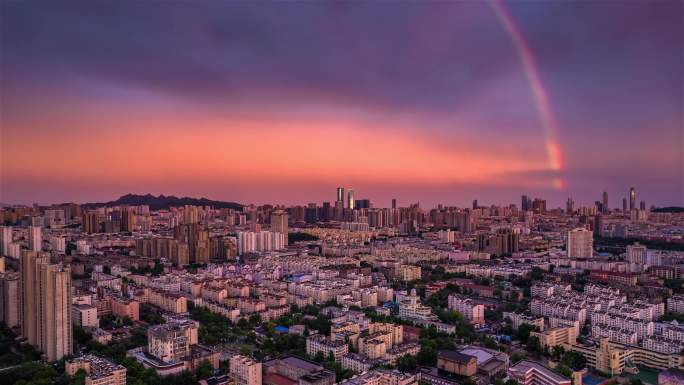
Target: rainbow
[(541, 96)]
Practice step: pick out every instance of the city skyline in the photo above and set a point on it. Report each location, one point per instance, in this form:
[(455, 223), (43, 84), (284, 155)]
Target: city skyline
[(401, 192), (345, 198), (442, 103)]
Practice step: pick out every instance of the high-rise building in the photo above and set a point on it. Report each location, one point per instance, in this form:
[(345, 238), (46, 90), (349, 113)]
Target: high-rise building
[(394, 203), (597, 225), (539, 205), (580, 243), (279, 221), (5, 239), (248, 242), (35, 237), (350, 199), (624, 204), (92, 221), (127, 219), (311, 213), (632, 198), (570, 206), (196, 236), (637, 254), (340, 195), (642, 205), (474, 204), (29, 263), (338, 211), (55, 311), (190, 214), (524, 203), (326, 212), (464, 221), (10, 304), (605, 202), (46, 305)]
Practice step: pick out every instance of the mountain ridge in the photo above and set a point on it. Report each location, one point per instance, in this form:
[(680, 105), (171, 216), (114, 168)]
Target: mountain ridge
[(163, 202)]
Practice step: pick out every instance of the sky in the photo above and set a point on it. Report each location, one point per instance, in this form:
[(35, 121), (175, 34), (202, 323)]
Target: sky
[(282, 102)]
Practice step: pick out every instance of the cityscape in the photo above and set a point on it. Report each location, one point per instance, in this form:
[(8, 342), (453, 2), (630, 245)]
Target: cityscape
[(342, 193)]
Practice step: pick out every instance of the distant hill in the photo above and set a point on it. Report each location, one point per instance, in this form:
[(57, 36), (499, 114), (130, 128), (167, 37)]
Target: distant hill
[(164, 202)]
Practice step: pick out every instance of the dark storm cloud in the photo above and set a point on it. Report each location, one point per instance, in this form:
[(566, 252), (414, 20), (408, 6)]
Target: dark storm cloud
[(396, 54)]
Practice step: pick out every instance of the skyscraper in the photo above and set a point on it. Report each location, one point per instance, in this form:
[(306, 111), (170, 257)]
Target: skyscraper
[(474, 204), (632, 198), (394, 203), (55, 311), (524, 203), (35, 238), (46, 304), (570, 206), (605, 202), (350, 199), (340, 195), (624, 204), (642, 205), (30, 260)]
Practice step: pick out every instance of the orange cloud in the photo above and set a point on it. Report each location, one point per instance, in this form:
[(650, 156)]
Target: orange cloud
[(136, 147)]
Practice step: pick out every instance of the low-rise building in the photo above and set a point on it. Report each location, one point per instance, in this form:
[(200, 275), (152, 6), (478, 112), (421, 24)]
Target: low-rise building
[(532, 373), (472, 311), (456, 363), (320, 343), (245, 371), (556, 336), (99, 371)]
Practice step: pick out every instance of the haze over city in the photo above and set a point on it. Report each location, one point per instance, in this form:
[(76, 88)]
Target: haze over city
[(280, 102)]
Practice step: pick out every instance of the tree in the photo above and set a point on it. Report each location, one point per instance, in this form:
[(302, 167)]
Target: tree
[(78, 378), (574, 360), (523, 332), (407, 363), (255, 319), (515, 358), (533, 344), (557, 352), (204, 370)]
